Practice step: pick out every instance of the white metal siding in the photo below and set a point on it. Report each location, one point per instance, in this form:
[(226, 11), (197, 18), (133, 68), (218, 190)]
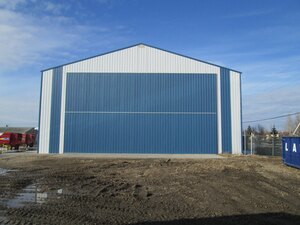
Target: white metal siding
[(44, 132), (235, 112), (142, 60)]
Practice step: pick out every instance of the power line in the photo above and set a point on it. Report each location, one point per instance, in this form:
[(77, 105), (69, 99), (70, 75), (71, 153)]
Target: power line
[(272, 118)]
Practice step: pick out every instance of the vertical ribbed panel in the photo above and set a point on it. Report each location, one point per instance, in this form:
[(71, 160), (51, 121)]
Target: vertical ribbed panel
[(236, 112), (219, 113), (141, 92), (139, 59), (226, 110), (141, 113), (62, 115), (55, 110), (40, 108), (46, 95), (241, 112)]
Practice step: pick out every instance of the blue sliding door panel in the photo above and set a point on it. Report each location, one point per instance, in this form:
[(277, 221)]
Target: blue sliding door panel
[(140, 113), (141, 92), (131, 133)]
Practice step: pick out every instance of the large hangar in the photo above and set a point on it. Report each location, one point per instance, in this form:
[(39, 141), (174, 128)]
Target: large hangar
[(140, 99)]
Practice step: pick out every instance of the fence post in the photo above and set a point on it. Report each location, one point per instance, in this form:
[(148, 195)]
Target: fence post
[(245, 142), (273, 145)]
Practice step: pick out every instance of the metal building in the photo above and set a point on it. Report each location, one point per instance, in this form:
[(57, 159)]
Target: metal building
[(140, 99)]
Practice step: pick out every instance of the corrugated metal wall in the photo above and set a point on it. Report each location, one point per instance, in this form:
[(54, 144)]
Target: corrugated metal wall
[(55, 110), (226, 111), (236, 120), (45, 112), (140, 59), (141, 113)]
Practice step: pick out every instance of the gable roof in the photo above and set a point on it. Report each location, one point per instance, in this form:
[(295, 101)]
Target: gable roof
[(178, 54)]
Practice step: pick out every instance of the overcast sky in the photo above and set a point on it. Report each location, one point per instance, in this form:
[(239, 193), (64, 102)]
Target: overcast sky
[(260, 38)]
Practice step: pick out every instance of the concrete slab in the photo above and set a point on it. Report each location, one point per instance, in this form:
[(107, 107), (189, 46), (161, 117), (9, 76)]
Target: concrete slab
[(116, 155), (144, 156)]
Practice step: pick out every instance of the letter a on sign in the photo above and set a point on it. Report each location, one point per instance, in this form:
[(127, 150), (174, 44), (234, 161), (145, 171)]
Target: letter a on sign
[(294, 147), (286, 148)]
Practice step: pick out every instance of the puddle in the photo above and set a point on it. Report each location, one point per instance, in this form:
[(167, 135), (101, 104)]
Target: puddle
[(4, 171), (31, 194)]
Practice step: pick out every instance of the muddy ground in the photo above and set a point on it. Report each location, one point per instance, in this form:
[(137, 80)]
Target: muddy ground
[(67, 190)]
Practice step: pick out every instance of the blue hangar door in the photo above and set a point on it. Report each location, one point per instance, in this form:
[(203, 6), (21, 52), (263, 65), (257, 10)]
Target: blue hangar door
[(140, 113)]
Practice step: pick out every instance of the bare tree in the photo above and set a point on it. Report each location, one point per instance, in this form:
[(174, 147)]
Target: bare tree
[(289, 125), (297, 121), (251, 130), (261, 130)]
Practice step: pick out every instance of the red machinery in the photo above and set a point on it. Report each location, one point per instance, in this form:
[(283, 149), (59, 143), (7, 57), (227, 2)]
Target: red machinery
[(10, 140), (15, 140), (28, 140)]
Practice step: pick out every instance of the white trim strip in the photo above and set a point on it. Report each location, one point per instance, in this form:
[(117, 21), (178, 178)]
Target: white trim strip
[(219, 103), (106, 112), (62, 112)]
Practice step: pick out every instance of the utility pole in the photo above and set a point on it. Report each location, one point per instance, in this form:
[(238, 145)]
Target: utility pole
[(251, 143), (296, 129)]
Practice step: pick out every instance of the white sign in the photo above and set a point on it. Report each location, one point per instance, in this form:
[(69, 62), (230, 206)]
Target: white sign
[(294, 147)]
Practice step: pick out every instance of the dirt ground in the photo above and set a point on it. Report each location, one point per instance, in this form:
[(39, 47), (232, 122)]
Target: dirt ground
[(69, 190)]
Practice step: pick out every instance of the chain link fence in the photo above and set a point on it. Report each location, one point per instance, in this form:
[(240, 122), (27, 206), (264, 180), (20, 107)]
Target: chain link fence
[(262, 145)]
